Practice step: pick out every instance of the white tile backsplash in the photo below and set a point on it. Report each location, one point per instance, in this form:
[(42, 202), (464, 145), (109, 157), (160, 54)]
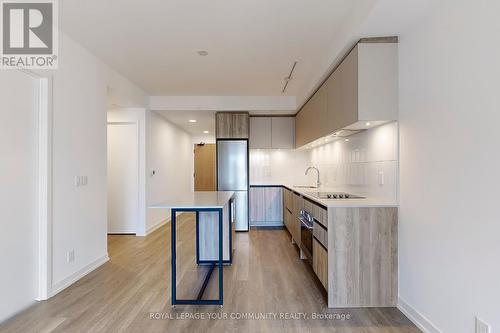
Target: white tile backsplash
[(353, 166), (278, 166)]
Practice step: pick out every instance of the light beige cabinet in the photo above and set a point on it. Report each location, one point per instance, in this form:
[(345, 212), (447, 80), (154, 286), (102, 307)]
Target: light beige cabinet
[(272, 132), (266, 206), (260, 132), (287, 207), (298, 205), (283, 132), (231, 125), (362, 257), (320, 263), (364, 87)]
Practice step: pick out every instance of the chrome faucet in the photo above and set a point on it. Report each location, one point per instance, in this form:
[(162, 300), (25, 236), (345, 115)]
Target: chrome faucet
[(317, 180)]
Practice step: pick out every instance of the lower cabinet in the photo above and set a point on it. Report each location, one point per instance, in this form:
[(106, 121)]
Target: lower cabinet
[(320, 262), (266, 206), (292, 204), (298, 205)]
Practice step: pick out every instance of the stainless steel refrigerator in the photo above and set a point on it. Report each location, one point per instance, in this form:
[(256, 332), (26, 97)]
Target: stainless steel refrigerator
[(232, 175)]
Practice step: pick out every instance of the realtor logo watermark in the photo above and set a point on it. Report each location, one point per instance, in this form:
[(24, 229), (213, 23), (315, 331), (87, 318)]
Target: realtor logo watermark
[(29, 35)]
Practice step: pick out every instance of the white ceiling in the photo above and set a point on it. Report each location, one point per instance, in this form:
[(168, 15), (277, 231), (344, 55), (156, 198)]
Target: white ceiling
[(205, 121), (251, 43)]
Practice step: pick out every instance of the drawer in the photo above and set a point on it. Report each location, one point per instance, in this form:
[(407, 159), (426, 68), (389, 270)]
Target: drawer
[(317, 211), (320, 263), (321, 234)]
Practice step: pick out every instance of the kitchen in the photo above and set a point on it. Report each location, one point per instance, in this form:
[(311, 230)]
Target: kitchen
[(327, 175)]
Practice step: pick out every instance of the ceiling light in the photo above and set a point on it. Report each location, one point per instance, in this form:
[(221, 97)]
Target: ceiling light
[(192, 120), (202, 53), (206, 132), (368, 123), (346, 140)]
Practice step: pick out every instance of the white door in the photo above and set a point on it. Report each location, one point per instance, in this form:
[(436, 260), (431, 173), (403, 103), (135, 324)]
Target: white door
[(18, 190), (123, 178)]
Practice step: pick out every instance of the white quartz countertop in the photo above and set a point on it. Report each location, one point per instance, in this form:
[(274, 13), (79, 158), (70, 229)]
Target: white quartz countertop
[(308, 191), (209, 199)]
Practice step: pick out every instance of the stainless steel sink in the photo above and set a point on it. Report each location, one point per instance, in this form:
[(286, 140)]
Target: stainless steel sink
[(334, 195), (304, 186)]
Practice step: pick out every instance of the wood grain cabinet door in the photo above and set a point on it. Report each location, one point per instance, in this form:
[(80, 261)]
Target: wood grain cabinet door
[(231, 125), (320, 263), (223, 125), (298, 205), (240, 125), (257, 205), (274, 204)]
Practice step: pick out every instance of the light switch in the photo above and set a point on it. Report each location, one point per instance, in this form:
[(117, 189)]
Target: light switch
[(78, 181), (482, 327), (70, 256), (381, 179)]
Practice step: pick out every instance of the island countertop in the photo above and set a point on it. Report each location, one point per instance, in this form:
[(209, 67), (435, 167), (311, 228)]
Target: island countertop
[(205, 199)]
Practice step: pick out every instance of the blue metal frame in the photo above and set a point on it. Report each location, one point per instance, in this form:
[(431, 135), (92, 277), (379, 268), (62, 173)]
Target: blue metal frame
[(220, 262)]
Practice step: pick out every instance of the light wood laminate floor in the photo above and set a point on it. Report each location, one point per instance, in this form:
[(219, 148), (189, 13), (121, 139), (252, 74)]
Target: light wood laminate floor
[(267, 276)]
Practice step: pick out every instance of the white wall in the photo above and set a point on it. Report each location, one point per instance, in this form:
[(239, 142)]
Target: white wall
[(449, 230), (18, 191), (80, 87), (169, 152)]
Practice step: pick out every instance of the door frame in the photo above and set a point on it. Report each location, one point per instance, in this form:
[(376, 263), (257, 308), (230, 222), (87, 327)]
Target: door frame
[(139, 173), (43, 218)]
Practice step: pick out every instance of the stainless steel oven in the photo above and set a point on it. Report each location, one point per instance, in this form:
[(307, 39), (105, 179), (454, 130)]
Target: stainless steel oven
[(306, 233)]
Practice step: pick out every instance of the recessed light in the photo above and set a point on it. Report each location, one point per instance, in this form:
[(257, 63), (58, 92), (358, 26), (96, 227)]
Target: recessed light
[(367, 123), (346, 140), (206, 132), (202, 53), (192, 120)]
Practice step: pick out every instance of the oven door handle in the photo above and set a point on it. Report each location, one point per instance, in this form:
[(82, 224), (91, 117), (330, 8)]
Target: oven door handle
[(305, 224)]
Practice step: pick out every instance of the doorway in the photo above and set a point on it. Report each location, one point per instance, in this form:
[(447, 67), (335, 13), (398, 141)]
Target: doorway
[(123, 178), (204, 167)]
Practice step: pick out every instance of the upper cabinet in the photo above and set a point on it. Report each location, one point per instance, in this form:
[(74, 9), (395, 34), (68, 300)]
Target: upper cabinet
[(364, 87), (231, 125), (283, 132), (260, 132), (272, 132)]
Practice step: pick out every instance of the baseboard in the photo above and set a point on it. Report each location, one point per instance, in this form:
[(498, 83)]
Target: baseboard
[(417, 318), (60, 286), (157, 226)]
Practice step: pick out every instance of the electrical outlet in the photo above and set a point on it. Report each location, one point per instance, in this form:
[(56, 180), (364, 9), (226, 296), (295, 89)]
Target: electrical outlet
[(70, 256), (482, 327)]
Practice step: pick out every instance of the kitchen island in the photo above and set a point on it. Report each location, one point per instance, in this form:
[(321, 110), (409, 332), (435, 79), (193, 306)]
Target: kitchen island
[(213, 235)]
